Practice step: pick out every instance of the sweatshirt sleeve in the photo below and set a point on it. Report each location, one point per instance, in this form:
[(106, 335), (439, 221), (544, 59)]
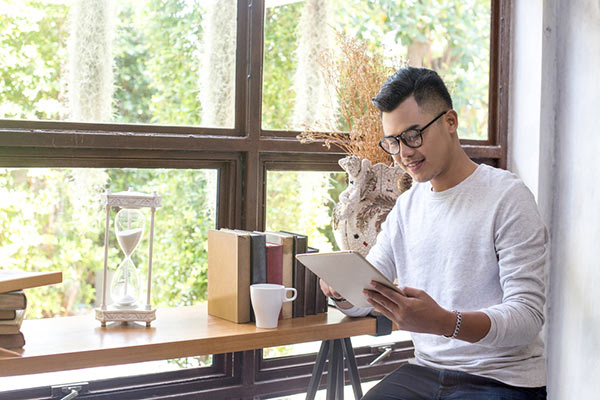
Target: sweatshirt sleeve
[(521, 244)]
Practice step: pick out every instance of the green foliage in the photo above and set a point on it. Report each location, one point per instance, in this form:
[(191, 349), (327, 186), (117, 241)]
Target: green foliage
[(279, 65), (48, 224), (303, 202), (32, 59), (133, 83), (451, 37), (157, 62)]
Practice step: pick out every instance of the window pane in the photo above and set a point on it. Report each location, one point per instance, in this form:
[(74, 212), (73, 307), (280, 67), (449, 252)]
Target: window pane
[(303, 202), (51, 220), (452, 37), (99, 373), (131, 61)]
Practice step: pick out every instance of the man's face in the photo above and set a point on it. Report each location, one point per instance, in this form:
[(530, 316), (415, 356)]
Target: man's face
[(431, 160)]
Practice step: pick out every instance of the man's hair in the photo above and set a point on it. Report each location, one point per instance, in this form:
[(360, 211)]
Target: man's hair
[(424, 84)]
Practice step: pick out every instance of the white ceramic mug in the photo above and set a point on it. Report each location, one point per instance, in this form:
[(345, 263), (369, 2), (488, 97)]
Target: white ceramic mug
[(267, 299)]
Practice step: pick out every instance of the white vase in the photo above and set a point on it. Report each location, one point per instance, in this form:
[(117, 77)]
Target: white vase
[(364, 205)]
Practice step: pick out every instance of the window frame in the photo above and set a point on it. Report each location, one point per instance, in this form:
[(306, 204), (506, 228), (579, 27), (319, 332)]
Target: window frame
[(243, 155)]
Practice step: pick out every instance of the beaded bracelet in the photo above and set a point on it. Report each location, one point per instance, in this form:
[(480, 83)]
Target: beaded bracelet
[(457, 328)]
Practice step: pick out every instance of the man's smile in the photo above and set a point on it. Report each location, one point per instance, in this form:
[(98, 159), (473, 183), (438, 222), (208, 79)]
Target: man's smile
[(414, 165)]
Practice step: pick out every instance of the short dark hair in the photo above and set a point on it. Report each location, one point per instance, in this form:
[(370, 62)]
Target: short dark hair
[(424, 84)]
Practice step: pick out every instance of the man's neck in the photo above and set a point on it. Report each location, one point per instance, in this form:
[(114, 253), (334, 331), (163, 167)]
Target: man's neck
[(460, 168)]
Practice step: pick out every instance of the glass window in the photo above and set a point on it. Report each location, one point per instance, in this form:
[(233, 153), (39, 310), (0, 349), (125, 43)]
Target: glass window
[(452, 37), (100, 373), (167, 62), (51, 220), (302, 202)]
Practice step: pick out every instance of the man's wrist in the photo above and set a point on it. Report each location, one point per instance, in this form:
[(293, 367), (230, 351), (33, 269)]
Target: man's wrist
[(452, 328)]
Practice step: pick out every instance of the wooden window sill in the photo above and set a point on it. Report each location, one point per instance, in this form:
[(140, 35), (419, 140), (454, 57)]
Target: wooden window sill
[(57, 344)]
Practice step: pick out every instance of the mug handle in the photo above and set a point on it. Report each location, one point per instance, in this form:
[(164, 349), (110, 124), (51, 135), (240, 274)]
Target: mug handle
[(288, 299)]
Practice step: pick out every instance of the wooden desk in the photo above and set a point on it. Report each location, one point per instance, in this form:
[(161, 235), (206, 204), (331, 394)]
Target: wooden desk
[(79, 342)]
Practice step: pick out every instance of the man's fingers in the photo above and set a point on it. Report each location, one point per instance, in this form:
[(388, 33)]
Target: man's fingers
[(411, 292), (328, 290), (378, 298), (377, 302), (395, 295), (325, 288)]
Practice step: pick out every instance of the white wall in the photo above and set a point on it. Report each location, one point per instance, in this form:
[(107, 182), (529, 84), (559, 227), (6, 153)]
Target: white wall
[(575, 347), (524, 119), (568, 182)]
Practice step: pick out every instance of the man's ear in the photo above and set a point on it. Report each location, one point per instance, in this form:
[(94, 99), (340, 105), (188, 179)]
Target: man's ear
[(451, 121)]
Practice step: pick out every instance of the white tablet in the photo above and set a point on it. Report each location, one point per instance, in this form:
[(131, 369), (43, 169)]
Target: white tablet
[(347, 272)]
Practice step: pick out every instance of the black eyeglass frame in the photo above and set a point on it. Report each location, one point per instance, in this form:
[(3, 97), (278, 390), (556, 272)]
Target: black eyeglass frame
[(401, 135)]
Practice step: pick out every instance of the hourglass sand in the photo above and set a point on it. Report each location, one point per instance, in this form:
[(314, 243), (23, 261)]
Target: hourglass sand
[(125, 288)]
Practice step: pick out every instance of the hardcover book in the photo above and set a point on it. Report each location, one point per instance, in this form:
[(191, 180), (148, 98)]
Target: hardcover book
[(287, 242), (274, 263), (7, 314), (300, 246), (321, 300), (12, 341), (310, 287), (258, 260), (229, 275), (14, 300), (14, 325)]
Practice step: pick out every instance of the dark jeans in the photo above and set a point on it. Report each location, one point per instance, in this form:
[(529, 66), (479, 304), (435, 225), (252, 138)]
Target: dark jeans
[(413, 382)]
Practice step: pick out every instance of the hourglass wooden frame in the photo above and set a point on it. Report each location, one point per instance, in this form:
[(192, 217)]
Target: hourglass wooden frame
[(128, 200)]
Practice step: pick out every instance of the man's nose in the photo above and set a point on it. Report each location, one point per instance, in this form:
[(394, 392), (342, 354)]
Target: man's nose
[(405, 151)]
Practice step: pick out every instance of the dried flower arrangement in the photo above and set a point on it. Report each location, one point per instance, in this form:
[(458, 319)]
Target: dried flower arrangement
[(356, 76)]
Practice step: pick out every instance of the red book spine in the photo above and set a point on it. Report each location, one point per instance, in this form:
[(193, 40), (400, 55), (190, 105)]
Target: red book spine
[(274, 255), (274, 263)]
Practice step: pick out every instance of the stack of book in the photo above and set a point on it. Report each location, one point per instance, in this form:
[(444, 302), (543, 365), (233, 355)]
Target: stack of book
[(12, 311), (13, 302), (238, 258)]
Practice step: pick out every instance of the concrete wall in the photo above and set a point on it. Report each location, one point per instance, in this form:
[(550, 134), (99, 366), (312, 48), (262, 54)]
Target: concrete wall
[(568, 180)]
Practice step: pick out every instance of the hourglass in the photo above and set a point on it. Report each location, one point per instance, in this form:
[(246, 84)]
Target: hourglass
[(125, 288)]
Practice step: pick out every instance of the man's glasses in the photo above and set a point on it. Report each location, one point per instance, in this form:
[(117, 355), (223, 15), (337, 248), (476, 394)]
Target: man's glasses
[(412, 138)]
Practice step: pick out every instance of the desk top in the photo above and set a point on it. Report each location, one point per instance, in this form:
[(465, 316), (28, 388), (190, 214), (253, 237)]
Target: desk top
[(57, 344)]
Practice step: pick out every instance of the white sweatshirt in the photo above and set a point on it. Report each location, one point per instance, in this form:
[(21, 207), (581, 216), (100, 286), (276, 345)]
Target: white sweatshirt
[(479, 246)]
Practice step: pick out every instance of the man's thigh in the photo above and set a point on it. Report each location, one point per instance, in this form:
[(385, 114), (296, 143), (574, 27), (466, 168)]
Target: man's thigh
[(490, 390), (413, 382), (409, 382)]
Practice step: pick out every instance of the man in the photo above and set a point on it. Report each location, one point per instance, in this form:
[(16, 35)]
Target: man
[(468, 249)]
